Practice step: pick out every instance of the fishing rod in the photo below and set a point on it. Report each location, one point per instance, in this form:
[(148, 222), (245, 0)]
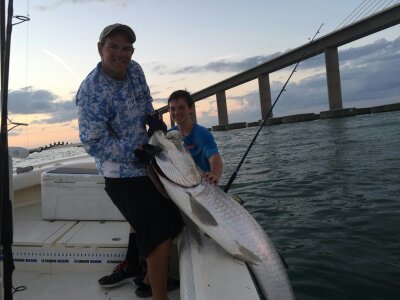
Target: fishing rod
[(6, 232), (5, 47), (234, 174), (6, 218)]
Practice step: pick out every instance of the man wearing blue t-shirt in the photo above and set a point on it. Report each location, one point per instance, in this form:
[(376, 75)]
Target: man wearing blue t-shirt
[(198, 139)]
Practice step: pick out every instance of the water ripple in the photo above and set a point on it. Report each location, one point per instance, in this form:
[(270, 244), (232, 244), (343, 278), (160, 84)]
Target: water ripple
[(327, 192)]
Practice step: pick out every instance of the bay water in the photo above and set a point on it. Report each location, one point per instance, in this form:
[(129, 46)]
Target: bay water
[(327, 192)]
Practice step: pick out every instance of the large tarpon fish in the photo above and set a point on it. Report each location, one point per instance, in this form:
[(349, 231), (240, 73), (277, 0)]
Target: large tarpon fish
[(219, 216)]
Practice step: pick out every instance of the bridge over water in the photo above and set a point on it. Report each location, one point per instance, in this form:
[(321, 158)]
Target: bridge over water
[(327, 44)]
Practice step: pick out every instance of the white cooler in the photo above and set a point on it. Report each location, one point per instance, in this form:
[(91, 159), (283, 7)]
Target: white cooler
[(76, 194)]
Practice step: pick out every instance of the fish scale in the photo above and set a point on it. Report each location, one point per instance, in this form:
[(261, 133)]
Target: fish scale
[(223, 219)]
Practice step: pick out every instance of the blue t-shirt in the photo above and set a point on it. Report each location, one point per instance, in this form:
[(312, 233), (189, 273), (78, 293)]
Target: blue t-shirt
[(201, 144)]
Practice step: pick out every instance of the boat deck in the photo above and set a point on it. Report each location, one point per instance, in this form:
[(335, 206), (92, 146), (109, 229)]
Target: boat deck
[(71, 285), (63, 259), (60, 260)]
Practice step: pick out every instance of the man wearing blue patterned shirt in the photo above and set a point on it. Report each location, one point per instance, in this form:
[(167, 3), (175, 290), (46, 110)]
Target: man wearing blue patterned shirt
[(113, 105)]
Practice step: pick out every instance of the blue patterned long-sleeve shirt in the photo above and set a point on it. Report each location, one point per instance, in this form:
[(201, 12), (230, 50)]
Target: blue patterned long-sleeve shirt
[(112, 119)]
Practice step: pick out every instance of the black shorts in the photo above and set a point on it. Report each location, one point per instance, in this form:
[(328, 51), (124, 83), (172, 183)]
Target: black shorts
[(154, 218)]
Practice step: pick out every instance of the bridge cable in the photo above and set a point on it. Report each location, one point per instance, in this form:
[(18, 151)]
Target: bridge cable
[(387, 5), (234, 174), (390, 3), (373, 8), (361, 12), (380, 7), (367, 8), (354, 10)]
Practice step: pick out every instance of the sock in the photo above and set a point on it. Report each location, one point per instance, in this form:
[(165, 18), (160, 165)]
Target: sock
[(132, 254)]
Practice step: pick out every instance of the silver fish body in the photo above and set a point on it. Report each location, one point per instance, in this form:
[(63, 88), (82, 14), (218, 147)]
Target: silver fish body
[(221, 218)]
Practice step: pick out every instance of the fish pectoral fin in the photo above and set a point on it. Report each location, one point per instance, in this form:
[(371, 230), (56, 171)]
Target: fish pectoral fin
[(247, 255), (202, 213)]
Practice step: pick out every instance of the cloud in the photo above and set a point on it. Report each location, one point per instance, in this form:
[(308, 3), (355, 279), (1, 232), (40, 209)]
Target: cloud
[(30, 101), (225, 65), (159, 102), (160, 68), (15, 132), (65, 111), (380, 49), (56, 4), (177, 80)]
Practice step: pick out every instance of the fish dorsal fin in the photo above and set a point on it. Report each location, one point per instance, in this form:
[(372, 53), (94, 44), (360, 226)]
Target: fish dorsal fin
[(247, 255), (202, 213)]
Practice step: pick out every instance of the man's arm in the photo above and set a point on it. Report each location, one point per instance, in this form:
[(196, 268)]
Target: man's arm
[(96, 137), (216, 166)]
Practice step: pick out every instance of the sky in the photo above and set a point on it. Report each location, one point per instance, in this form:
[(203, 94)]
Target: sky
[(188, 44)]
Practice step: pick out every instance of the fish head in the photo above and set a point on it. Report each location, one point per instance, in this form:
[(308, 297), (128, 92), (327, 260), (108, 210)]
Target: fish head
[(175, 162), (159, 139)]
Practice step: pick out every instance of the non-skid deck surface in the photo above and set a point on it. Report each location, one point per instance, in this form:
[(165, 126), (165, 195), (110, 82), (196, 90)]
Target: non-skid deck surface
[(39, 233), (71, 285), (31, 230), (66, 245), (63, 260), (98, 234)]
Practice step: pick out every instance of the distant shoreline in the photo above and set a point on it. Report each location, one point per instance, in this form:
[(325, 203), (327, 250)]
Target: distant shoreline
[(336, 113)]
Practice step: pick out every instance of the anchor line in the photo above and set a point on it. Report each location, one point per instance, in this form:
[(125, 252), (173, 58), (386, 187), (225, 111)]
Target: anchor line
[(234, 174)]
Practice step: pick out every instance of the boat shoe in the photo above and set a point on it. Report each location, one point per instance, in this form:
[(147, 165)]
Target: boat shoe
[(120, 275)]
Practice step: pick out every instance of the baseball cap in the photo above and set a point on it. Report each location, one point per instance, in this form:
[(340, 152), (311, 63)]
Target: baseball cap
[(118, 27)]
